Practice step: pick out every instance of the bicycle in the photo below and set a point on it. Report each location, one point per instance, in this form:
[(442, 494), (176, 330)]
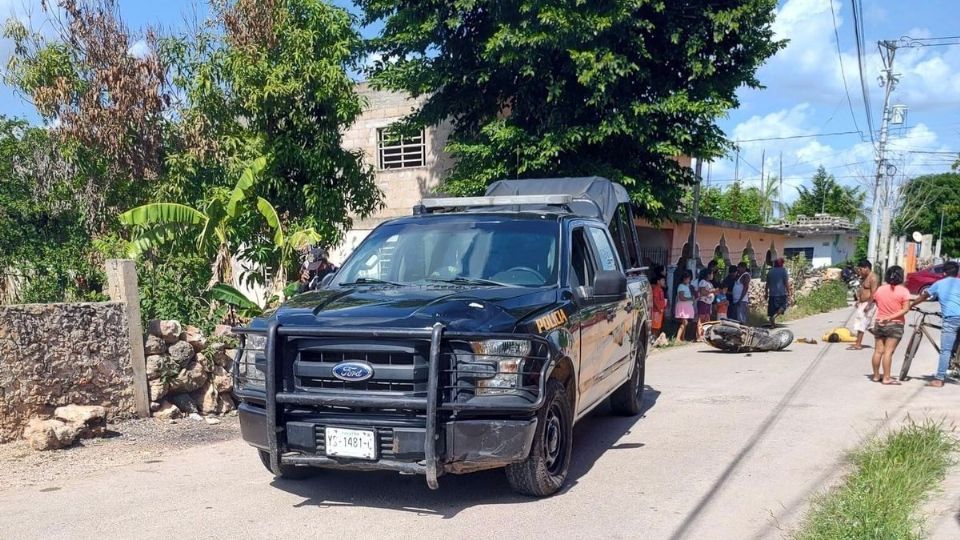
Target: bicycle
[(922, 329)]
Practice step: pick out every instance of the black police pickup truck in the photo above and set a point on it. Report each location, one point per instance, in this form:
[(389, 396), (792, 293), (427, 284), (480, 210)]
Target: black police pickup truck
[(471, 335)]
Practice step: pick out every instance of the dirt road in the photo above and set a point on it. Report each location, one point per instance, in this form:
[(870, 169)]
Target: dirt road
[(731, 446)]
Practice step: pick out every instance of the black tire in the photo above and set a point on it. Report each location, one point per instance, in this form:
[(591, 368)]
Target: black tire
[(628, 399), (287, 472), (912, 347), (784, 338), (544, 471)]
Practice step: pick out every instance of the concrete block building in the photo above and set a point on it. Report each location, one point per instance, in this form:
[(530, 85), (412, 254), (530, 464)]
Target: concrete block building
[(406, 168)]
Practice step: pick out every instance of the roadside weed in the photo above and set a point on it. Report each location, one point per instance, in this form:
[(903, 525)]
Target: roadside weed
[(891, 477)]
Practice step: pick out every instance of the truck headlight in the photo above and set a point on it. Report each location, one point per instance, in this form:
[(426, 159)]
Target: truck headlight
[(507, 355), (252, 362)]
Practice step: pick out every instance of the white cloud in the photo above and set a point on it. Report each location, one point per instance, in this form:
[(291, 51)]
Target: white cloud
[(140, 49)]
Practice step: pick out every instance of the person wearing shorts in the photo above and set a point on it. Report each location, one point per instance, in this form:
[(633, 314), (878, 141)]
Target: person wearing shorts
[(893, 304), (684, 310), (866, 308)]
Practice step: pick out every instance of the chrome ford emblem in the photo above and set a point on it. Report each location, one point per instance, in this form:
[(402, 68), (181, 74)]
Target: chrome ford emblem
[(353, 371)]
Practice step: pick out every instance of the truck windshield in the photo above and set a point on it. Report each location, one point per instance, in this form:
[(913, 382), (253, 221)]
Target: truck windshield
[(481, 252)]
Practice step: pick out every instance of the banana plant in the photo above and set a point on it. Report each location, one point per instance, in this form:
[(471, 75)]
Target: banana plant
[(162, 222)]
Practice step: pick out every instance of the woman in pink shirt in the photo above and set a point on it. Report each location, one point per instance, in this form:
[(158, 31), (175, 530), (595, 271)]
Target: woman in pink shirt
[(893, 303)]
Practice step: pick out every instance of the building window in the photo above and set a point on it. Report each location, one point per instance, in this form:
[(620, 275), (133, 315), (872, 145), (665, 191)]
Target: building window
[(790, 253), (399, 151)]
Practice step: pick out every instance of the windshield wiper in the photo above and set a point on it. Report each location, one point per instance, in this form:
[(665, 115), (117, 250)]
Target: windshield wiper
[(460, 280), (371, 281)]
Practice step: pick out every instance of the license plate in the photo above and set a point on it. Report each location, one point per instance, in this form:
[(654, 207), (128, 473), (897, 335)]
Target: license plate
[(355, 443)]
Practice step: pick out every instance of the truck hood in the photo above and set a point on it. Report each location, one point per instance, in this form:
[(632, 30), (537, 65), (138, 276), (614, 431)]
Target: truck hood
[(481, 309)]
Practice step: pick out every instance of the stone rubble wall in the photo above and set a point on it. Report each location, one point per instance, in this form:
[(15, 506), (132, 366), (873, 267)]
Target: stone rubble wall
[(53, 355), (187, 372)]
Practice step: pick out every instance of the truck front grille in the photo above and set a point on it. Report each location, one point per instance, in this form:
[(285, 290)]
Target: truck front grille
[(322, 383), (399, 367)]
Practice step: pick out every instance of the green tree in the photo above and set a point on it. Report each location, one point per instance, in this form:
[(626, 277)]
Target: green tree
[(270, 78), (735, 203), (925, 199), (105, 106), (827, 196), (45, 252), (568, 88)]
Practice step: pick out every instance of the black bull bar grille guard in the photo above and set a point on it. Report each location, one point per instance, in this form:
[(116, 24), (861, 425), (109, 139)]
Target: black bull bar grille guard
[(431, 405)]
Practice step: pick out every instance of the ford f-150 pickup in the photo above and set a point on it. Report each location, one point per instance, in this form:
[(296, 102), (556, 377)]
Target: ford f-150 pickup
[(470, 335)]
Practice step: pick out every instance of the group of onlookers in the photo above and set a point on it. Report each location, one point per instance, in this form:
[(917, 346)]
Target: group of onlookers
[(882, 309), (707, 298)]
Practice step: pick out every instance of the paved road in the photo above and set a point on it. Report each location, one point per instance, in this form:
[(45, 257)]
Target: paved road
[(731, 446)]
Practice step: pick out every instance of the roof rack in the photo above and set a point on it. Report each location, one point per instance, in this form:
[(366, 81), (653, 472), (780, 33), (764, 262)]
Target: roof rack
[(427, 206)]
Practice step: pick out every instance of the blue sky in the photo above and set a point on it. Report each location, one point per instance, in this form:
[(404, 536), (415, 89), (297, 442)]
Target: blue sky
[(804, 95)]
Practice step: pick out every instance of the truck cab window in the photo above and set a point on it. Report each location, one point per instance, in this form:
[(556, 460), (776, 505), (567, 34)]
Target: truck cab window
[(606, 255), (581, 260)]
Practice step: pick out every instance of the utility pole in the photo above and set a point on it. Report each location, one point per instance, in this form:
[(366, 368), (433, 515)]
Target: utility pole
[(694, 252), (763, 159), (875, 247), (940, 236), (783, 213), (736, 165)]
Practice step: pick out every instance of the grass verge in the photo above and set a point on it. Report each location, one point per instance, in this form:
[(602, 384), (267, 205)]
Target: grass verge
[(829, 296), (892, 476)]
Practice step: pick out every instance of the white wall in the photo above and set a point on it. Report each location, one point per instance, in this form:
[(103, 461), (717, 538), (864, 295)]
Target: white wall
[(828, 249)]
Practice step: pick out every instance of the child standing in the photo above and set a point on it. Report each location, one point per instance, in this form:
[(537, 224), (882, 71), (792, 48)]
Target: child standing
[(660, 304)]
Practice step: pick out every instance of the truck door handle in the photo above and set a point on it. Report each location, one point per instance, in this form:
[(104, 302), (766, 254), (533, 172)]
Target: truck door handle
[(611, 315), (629, 307)]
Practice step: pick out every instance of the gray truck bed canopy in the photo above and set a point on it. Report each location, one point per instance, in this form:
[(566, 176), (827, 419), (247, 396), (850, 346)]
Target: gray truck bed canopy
[(593, 196)]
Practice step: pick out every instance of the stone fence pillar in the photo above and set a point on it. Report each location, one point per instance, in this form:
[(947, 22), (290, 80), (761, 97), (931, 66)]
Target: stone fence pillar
[(122, 285)]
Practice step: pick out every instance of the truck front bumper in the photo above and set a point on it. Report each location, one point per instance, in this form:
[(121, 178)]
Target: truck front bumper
[(494, 431), (465, 445)]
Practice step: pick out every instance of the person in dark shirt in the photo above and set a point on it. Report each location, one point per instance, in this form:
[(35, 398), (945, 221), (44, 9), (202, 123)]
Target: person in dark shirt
[(777, 290), (727, 287)]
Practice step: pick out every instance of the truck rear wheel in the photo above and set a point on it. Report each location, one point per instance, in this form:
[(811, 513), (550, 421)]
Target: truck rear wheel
[(287, 472), (628, 399), (544, 471)]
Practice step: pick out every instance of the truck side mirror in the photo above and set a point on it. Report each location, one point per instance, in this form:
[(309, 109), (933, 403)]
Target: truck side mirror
[(609, 285)]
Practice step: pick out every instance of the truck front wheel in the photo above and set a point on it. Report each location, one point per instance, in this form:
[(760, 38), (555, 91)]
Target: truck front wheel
[(288, 472), (628, 399), (545, 469)]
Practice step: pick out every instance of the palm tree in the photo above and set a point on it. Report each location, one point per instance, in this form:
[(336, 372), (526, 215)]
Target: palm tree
[(770, 199)]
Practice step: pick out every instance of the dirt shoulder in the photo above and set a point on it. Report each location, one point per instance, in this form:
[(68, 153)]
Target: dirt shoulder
[(131, 441)]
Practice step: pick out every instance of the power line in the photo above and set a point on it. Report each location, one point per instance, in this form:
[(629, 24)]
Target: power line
[(790, 177), (843, 74), (864, 88), (836, 133), (907, 41)]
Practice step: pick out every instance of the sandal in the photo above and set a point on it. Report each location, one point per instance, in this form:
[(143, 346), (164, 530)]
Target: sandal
[(935, 383), (891, 382)]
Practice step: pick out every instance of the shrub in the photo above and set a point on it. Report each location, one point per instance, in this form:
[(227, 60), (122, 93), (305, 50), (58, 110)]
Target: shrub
[(173, 289)]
